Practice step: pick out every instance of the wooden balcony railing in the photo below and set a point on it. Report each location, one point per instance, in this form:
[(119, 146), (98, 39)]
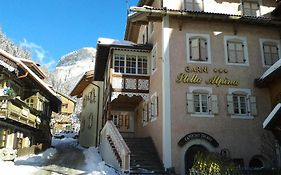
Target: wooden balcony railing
[(17, 110), (130, 83)]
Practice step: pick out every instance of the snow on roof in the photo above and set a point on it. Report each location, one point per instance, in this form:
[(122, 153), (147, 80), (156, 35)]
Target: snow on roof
[(18, 60), (271, 115), (109, 41), (271, 69)]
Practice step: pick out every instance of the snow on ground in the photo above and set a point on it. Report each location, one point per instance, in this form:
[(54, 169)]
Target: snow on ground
[(34, 164)]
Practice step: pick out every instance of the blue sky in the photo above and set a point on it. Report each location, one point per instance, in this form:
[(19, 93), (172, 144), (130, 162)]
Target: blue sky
[(52, 28)]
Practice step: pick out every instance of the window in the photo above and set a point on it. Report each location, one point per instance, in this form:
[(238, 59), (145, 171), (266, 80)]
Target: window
[(119, 63), (154, 58), (142, 65), (3, 137), (30, 102), (193, 5), (154, 107), (236, 50), (251, 8), (240, 103), (198, 48), (201, 102), (270, 51), (130, 64)]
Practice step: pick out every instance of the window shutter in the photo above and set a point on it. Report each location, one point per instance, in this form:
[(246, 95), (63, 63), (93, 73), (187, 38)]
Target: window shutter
[(230, 108), (214, 104), (253, 105), (190, 104)]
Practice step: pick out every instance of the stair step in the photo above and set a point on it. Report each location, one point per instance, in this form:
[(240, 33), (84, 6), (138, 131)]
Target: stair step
[(144, 158)]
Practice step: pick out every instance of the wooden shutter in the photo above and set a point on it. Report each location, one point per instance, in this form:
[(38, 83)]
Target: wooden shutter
[(214, 104), (253, 105), (190, 103), (230, 108)]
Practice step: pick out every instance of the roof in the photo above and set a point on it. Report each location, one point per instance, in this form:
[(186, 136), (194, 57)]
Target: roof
[(55, 101), (66, 96), (146, 13), (34, 67), (106, 45), (272, 117), (269, 75), (86, 79)]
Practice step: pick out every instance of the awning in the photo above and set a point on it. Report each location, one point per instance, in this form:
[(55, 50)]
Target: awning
[(272, 117)]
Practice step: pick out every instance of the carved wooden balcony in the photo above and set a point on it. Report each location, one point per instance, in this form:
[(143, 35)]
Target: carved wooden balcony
[(17, 110)]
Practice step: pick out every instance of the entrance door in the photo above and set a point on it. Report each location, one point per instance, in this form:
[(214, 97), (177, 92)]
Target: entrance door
[(190, 154), (123, 120)]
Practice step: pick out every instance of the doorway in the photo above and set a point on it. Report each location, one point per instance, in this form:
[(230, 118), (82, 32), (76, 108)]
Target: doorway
[(190, 155)]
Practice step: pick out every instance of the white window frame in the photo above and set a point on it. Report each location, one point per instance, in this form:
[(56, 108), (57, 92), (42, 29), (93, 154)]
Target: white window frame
[(193, 4), (154, 105), (251, 2), (208, 40), (247, 93), (137, 55), (205, 90), (245, 49), (262, 41)]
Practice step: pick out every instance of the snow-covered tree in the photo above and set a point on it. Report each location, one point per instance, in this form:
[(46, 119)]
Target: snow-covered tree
[(15, 50)]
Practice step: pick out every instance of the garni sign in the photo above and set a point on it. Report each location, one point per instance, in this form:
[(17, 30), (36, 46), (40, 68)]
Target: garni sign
[(198, 135), (192, 76)]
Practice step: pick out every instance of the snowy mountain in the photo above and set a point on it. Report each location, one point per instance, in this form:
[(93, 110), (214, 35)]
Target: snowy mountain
[(70, 69)]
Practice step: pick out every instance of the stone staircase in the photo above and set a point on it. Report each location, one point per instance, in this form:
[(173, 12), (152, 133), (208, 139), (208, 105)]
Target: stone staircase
[(144, 157)]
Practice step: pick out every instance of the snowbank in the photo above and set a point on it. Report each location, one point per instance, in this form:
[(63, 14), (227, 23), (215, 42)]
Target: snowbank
[(94, 163)]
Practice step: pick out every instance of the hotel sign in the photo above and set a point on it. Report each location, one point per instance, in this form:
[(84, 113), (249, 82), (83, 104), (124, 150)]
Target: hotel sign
[(192, 76), (198, 135)]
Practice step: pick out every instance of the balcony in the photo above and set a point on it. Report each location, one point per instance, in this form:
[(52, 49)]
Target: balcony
[(17, 110), (130, 85)]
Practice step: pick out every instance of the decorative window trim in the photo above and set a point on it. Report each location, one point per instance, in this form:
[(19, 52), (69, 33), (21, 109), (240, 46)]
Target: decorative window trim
[(250, 103), (91, 120), (212, 102), (262, 41), (246, 55), (154, 51), (208, 40)]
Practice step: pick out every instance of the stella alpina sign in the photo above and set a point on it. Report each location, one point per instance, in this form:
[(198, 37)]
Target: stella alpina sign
[(192, 76)]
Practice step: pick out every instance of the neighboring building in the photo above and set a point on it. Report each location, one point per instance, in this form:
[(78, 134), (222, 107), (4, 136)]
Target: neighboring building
[(63, 120), (26, 104), (91, 113), (188, 83)]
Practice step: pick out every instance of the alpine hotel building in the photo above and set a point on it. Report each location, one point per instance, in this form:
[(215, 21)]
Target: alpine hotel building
[(188, 82)]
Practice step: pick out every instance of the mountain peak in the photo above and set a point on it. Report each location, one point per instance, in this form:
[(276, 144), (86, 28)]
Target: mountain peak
[(85, 53)]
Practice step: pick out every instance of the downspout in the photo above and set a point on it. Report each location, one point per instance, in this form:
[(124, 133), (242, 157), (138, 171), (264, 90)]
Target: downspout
[(97, 133)]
